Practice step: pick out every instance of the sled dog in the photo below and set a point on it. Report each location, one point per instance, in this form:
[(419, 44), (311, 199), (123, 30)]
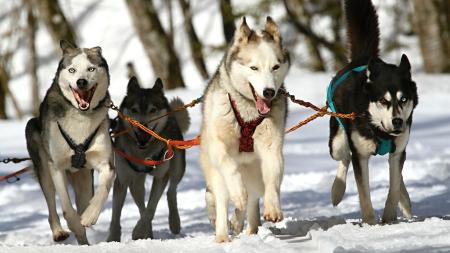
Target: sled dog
[(145, 105), (70, 139), (242, 130), (383, 96)]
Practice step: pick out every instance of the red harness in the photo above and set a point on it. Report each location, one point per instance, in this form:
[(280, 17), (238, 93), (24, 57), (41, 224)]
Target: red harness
[(247, 128)]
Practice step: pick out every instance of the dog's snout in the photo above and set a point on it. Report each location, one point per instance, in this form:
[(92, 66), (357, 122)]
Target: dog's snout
[(397, 123), (82, 83), (268, 93)]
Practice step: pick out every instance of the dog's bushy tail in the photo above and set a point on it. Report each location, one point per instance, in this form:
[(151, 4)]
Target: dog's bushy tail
[(182, 117), (362, 28)]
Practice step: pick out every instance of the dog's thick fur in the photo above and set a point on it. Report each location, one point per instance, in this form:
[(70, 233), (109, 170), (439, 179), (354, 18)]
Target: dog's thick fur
[(254, 63), (385, 97), (144, 105), (81, 71)]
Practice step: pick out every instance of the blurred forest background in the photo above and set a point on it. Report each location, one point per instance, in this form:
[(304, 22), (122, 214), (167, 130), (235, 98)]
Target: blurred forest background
[(317, 26)]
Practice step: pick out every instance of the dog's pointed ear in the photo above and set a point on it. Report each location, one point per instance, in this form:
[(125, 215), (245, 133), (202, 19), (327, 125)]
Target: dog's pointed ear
[(405, 66), (96, 50), (243, 33), (67, 47), (133, 85), (158, 86), (374, 68), (272, 29)]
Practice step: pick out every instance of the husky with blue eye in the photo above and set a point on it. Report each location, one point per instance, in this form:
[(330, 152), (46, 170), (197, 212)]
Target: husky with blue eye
[(70, 139), (383, 96)]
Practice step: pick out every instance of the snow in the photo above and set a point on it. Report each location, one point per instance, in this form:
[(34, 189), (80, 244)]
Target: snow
[(311, 223)]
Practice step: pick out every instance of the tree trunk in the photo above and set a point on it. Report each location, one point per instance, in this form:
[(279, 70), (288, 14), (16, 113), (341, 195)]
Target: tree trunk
[(33, 60), (432, 19), (194, 42), (162, 55), (226, 9), (59, 28), (335, 47), (3, 84)]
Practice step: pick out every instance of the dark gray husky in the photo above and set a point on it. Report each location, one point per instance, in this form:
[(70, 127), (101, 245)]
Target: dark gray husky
[(145, 105)]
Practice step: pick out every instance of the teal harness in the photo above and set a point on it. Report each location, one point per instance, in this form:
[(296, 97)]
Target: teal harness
[(384, 145)]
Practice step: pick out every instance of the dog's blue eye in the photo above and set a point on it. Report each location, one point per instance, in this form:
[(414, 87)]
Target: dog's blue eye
[(403, 100), (253, 68), (72, 70), (91, 69)]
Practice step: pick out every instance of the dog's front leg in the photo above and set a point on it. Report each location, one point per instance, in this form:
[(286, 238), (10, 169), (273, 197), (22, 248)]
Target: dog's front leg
[(70, 214), (361, 169), (106, 177), (272, 166), (395, 181)]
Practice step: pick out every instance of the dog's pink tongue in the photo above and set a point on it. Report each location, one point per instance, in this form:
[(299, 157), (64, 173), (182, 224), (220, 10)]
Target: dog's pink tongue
[(83, 96), (262, 105)]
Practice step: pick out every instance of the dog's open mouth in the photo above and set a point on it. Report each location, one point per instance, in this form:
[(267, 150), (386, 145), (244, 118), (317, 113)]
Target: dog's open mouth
[(83, 97), (262, 105)]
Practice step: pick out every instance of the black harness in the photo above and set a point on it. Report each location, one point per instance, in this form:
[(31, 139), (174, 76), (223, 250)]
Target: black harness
[(78, 159)]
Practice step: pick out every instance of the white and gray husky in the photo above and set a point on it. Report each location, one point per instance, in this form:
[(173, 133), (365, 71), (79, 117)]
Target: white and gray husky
[(71, 137), (242, 131), (145, 105), (384, 96)]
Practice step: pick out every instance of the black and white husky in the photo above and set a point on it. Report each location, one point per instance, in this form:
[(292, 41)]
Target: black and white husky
[(71, 137), (384, 97), (145, 105)]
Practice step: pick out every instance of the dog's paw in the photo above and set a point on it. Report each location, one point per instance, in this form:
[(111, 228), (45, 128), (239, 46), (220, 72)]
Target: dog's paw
[(142, 230), (273, 213), (337, 191), (90, 216), (60, 235), (174, 223), (222, 238), (389, 217), (369, 220), (113, 237), (252, 231)]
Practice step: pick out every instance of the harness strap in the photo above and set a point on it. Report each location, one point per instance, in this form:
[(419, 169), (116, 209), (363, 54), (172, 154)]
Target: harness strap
[(78, 159), (149, 163), (384, 146), (247, 128)]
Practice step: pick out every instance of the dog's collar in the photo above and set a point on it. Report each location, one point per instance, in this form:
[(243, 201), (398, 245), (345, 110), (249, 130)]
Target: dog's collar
[(78, 159), (247, 128)]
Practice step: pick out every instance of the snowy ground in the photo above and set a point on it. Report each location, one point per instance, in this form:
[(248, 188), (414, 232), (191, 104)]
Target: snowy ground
[(311, 224), (305, 192)]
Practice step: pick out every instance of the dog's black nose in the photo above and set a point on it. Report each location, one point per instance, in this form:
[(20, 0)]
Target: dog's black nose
[(268, 93), (82, 83), (397, 123)]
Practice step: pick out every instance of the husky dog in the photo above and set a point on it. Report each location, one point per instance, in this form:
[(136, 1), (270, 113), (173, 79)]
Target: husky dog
[(70, 138), (242, 131), (145, 105), (384, 96)]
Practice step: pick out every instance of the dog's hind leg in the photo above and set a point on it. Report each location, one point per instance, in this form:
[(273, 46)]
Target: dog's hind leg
[(143, 228), (253, 214), (237, 221), (210, 206), (119, 194), (361, 169), (82, 183), (340, 151)]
